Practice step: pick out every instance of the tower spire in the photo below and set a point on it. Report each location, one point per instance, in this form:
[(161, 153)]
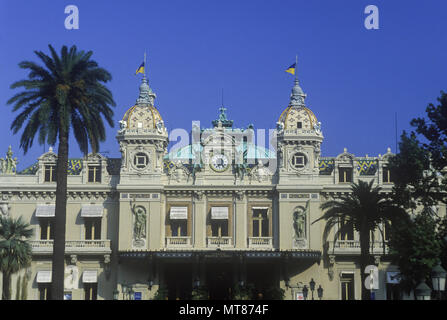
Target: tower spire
[(297, 96), (147, 96)]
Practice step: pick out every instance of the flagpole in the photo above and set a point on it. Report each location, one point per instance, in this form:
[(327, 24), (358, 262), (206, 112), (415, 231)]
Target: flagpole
[(296, 67), (144, 64)]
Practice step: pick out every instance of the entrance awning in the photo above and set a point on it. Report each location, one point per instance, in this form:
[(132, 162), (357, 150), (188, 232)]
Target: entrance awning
[(45, 210), (219, 213), (178, 213), (91, 211), (43, 276), (293, 255), (90, 276)]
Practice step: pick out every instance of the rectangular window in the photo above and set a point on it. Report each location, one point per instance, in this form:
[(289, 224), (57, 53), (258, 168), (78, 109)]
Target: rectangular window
[(347, 286), (387, 175), (348, 230), (345, 174), (94, 173), (299, 125), (44, 291), (50, 173), (219, 228), (46, 229), (90, 291), (260, 223), (92, 228), (179, 228)]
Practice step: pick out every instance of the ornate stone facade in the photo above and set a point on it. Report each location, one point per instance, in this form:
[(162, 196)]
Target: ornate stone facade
[(221, 211)]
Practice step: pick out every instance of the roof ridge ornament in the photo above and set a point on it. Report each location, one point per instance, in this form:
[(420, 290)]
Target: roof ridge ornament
[(222, 119), (8, 165)]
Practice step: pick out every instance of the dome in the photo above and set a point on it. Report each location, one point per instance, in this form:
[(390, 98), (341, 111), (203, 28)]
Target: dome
[(294, 117), (142, 116), (297, 115)]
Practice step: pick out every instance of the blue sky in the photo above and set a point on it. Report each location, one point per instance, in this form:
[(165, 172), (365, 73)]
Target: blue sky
[(356, 79)]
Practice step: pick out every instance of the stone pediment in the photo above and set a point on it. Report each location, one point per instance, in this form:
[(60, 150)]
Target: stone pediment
[(345, 157), (49, 156)]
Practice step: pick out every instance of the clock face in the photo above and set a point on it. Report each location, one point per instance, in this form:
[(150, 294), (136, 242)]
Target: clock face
[(219, 162)]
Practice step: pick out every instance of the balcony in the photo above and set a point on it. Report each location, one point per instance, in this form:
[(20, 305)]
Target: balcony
[(178, 242), (260, 243), (348, 247), (219, 242), (73, 246)]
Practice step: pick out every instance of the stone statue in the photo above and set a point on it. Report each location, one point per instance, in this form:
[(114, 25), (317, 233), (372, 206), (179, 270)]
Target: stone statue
[(160, 126), (299, 221), (178, 172), (8, 165), (195, 168), (260, 172), (4, 208), (123, 124), (240, 170), (280, 127), (140, 222)]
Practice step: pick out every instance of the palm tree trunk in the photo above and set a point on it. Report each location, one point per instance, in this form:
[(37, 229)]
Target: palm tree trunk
[(58, 268), (364, 261), (6, 286)]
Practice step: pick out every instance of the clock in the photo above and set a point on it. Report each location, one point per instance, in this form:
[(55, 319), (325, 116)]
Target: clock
[(219, 162)]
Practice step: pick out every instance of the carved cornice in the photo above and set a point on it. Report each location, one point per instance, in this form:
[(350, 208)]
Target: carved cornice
[(45, 195)]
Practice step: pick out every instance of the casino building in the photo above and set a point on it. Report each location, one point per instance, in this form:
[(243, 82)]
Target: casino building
[(211, 218)]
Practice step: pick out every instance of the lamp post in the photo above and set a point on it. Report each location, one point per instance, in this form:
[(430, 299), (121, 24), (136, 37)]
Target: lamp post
[(127, 292), (312, 287), (124, 287), (438, 275), (320, 292), (305, 292), (422, 291)]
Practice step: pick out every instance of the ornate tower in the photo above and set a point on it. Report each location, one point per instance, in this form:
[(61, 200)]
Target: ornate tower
[(299, 142), (143, 139), (299, 139)]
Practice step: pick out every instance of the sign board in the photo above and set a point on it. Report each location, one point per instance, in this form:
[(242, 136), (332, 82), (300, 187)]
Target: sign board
[(299, 296), (90, 276), (137, 296), (43, 276)]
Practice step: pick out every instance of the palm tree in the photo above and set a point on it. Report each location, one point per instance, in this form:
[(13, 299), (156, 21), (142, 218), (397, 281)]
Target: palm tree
[(366, 209), (15, 251), (65, 95)]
